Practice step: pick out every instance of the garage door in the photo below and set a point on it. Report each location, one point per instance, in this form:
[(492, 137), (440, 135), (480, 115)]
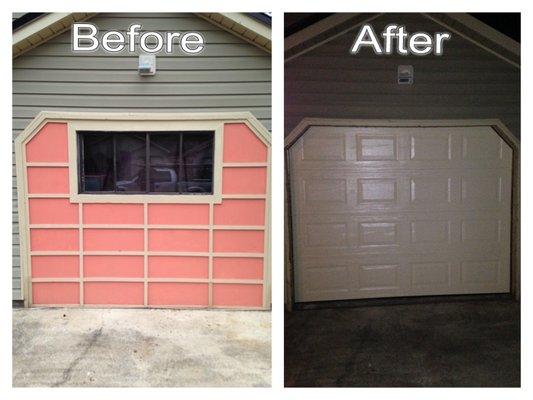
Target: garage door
[(109, 242), (381, 212)]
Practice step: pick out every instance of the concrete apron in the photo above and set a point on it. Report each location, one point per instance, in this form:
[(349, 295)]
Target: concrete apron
[(140, 347)]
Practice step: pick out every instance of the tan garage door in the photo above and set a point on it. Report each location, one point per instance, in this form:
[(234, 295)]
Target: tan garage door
[(381, 212)]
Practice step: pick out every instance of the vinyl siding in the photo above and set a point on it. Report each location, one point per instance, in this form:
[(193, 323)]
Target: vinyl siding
[(466, 82), (229, 75)]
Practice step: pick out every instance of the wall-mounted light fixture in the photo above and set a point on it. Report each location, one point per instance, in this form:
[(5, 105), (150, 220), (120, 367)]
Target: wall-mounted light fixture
[(406, 74), (147, 64)]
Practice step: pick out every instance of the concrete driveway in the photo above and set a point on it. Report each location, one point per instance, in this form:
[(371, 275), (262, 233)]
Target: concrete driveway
[(140, 347), (438, 342)]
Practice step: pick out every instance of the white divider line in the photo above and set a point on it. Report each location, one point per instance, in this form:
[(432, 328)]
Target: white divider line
[(80, 245), (210, 278), (145, 256)]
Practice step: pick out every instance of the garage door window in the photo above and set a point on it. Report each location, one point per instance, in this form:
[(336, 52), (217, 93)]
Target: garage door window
[(146, 162)]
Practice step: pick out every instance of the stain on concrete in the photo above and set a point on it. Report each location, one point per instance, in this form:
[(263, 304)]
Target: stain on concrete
[(86, 347)]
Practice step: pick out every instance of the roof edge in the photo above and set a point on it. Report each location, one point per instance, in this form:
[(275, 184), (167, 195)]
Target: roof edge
[(490, 39), (42, 28)]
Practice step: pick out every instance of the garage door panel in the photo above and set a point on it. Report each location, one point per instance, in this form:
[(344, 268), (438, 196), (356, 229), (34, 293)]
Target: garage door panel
[(373, 277), (410, 148), (376, 148), (316, 147), (400, 212), (426, 190), (431, 147), (403, 233), (404, 190), (327, 235), (481, 190), (479, 146), (431, 231), (329, 192)]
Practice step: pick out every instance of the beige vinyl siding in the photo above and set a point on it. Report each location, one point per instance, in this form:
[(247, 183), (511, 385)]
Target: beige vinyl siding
[(466, 82), (230, 75)]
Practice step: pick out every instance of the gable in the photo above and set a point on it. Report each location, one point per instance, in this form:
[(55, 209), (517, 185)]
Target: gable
[(465, 82)]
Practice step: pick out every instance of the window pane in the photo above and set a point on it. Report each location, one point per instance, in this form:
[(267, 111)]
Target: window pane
[(197, 169), (180, 162), (131, 162), (97, 163), (197, 179), (164, 161)]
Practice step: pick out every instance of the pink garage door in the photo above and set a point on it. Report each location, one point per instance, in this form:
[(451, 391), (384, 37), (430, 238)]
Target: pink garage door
[(147, 254)]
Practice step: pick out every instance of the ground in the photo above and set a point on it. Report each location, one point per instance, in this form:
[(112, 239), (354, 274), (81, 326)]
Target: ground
[(454, 343), (140, 347)]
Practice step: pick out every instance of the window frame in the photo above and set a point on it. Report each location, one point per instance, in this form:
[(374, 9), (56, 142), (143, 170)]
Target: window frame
[(159, 126), (81, 135)]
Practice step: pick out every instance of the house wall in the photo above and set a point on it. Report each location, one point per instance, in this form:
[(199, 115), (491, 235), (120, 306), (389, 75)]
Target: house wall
[(155, 254), (466, 82), (229, 75)]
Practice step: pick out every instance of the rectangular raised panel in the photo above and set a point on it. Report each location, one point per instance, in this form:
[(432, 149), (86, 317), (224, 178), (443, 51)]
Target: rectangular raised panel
[(481, 146), (178, 267), (113, 266), (178, 294), (113, 214), (376, 148), (486, 230), (126, 293), (428, 147), (326, 279), (430, 231), (430, 191), (113, 239), (55, 293), (237, 295), (244, 180), (481, 191), (55, 266), (376, 190), (327, 191), (178, 214), (238, 241), (240, 212), (178, 240), (54, 239), (409, 212), (430, 274), (47, 180), (53, 211), (318, 148), (237, 268), (479, 272), (326, 235), (372, 277), (378, 233)]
